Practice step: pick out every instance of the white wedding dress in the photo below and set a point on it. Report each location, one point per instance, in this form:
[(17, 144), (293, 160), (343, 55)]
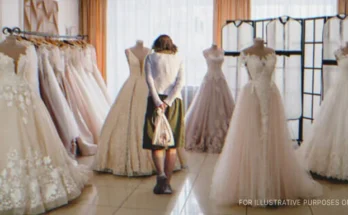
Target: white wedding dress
[(36, 172), (208, 117), (258, 161), (120, 149), (326, 149)]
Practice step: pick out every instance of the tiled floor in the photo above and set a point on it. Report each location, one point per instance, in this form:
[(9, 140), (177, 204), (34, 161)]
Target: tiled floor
[(112, 195)]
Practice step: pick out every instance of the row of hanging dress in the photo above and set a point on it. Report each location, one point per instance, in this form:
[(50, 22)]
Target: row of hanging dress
[(74, 93), (36, 172)]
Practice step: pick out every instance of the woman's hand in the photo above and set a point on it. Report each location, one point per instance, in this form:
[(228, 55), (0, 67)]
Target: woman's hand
[(163, 106)]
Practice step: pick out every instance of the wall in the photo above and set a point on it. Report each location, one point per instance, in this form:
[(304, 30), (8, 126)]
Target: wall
[(11, 15), (68, 17)]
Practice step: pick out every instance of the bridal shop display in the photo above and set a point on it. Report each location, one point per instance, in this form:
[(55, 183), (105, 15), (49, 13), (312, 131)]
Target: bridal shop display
[(272, 108)]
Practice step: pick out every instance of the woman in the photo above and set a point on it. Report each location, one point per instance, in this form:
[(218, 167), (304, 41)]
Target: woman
[(165, 79)]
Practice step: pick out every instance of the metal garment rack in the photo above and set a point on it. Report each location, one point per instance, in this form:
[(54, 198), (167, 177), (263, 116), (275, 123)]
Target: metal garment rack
[(310, 49), (18, 31)]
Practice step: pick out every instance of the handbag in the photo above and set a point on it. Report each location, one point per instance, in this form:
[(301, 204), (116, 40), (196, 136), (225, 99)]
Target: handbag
[(163, 135)]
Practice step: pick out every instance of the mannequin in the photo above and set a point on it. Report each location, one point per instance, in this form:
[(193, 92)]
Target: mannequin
[(13, 49), (139, 50), (213, 50), (258, 49)]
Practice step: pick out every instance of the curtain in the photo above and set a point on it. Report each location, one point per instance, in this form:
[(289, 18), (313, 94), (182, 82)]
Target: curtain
[(187, 22), (228, 10), (262, 9), (93, 23), (342, 6)]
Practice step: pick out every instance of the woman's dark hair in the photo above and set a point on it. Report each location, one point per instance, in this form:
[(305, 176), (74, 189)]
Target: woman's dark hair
[(164, 43)]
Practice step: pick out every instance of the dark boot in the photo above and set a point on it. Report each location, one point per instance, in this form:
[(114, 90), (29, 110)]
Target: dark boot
[(160, 185)]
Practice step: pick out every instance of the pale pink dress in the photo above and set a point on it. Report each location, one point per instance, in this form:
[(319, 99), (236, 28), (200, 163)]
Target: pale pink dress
[(208, 117)]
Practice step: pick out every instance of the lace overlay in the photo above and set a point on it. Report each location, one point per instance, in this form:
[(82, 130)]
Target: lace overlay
[(260, 73), (208, 117), (13, 91), (36, 173), (34, 178)]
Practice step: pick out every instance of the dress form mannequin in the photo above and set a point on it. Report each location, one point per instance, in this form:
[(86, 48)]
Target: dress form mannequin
[(139, 50), (12, 48), (213, 50), (258, 49)]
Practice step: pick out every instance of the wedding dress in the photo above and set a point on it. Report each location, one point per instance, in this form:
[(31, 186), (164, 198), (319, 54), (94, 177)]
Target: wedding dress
[(55, 101), (90, 64), (258, 161), (36, 172), (87, 108), (120, 149), (60, 61), (326, 149), (208, 117)]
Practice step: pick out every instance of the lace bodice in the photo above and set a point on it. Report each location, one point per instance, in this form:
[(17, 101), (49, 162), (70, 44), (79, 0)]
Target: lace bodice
[(214, 64), (260, 73), (14, 89), (259, 69)]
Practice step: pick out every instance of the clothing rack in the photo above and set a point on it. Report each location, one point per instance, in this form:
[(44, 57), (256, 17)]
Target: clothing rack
[(310, 26), (18, 31)]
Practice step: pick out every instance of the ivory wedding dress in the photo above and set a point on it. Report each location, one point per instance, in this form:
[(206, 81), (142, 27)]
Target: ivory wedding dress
[(326, 149), (120, 149), (36, 172), (258, 161), (208, 117)]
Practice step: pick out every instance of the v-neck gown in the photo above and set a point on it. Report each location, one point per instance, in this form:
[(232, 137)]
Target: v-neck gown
[(120, 144)]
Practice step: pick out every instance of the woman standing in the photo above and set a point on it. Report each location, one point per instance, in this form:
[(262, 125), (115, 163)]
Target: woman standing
[(165, 78)]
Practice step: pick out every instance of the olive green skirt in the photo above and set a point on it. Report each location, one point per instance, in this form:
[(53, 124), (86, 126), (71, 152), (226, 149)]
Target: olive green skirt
[(175, 115)]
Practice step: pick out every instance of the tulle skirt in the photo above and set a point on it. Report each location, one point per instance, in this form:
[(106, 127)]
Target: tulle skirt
[(325, 151), (255, 170)]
